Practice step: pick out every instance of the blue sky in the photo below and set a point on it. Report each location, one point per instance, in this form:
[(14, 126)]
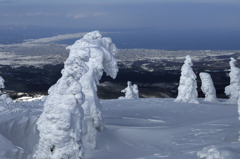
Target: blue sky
[(124, 14)]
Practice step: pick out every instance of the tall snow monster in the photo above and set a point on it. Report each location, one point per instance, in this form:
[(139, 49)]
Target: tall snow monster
[(187, 89), (208, 87), (233, 89), (102, 52), (2, 86), (135, 91), (60, 123), (4, 98)]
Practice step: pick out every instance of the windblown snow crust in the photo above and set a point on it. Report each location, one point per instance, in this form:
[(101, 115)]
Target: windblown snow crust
[(137, 129)]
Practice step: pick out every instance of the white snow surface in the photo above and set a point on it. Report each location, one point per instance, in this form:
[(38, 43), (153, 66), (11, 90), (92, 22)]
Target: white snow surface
[(150, 128), (187, 89), (208, 87), (233, 89)]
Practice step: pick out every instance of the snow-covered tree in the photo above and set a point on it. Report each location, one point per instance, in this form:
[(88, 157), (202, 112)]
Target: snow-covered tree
[(2, 86), (239, 111), (129, 94), (4, 98), (131, 91), (102, 52), (135, 91), (187, 89), (60, 123), (233, 89), (208, 87)]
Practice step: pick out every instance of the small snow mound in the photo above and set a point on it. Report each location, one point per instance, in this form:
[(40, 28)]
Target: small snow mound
[(211, 152)]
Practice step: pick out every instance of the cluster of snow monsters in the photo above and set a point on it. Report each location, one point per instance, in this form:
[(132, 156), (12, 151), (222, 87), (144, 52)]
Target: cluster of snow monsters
[(187, 90), (131, 91), (72, 112)]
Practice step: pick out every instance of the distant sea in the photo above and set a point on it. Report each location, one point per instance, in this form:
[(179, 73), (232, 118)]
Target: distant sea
[(174, 39), (145, 38), (178, 39)]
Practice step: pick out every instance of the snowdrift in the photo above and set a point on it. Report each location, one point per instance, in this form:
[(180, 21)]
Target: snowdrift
[(137, 129)]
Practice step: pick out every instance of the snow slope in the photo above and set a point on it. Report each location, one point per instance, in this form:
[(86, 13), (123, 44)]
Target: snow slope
[(138, 129)]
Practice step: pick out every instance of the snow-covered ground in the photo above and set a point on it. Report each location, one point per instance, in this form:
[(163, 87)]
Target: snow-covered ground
[(150, 128)]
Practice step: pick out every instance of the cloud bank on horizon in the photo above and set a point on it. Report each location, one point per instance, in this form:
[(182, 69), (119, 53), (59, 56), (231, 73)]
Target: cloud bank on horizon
[(117, 1), (125, 14)]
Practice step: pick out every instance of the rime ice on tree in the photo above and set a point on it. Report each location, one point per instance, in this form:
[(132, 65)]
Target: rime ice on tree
[(4, 98), (60, 123), (135, 91), (187, 89), (131, 92), (2, 86), (208, 87), (233, 89), (239, 112), (102, 52)]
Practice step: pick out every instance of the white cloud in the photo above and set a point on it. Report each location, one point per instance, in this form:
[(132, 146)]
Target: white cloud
[(85, 15)]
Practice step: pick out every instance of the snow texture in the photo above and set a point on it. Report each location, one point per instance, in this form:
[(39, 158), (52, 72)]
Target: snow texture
[(233, 89), (101, 51), (5, 99), (187, 89), (60, 124), (212, 152), (131, 91), (209, 152), (207, 87), (18, 133), (147, 128)]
